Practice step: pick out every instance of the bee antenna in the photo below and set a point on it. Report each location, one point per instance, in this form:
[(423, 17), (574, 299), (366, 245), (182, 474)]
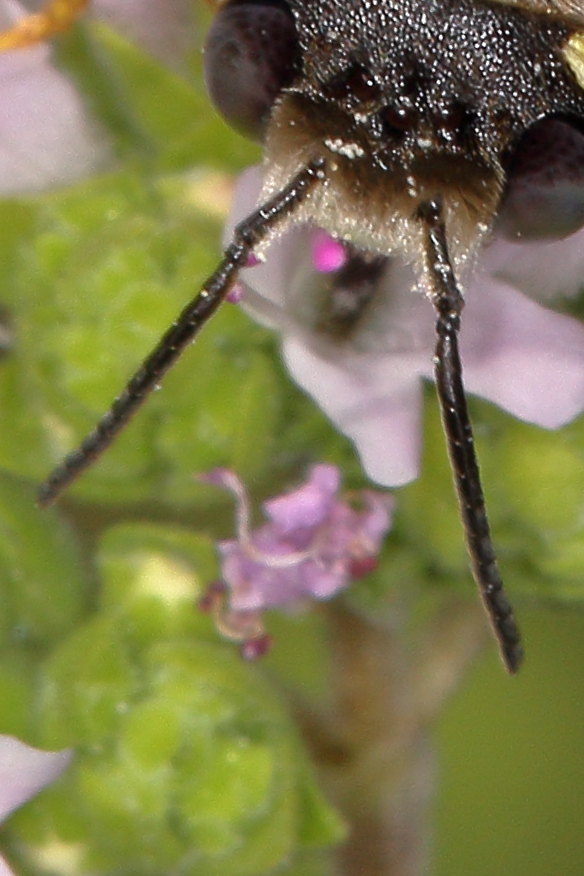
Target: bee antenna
[(448, 303), (247, 235)]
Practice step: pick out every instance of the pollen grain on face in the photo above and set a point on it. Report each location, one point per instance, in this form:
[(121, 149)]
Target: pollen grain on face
[(341, 147)]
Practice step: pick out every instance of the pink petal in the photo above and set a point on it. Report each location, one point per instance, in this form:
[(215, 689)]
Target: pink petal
[(322, 582), (5, 869), (273, 272), (309, 504), (24, 771), (375, 401), (46, 136), (373, 397), (376, 520), (525, 358), (542, 270)]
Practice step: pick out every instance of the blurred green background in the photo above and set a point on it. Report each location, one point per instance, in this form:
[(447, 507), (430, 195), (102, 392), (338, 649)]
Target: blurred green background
[(511, 759)]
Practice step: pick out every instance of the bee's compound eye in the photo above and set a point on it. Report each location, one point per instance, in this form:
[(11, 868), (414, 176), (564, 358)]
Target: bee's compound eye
[(250, 55), (544, 196)]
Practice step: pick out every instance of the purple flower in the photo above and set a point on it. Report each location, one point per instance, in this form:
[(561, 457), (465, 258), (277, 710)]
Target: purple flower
[(312, 546), (24, 771), (48, 137), (518, 354)]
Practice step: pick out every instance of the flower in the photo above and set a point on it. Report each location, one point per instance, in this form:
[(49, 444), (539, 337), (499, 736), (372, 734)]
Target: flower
[(24, 771), (48, 136), (516, 353), (313, 545)]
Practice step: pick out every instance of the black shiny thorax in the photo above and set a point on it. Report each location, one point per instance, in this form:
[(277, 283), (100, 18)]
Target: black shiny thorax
[(448, 76)]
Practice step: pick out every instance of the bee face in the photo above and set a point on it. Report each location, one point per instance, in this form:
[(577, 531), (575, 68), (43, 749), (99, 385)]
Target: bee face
[(409, 99), (405, 99), (456, 78)]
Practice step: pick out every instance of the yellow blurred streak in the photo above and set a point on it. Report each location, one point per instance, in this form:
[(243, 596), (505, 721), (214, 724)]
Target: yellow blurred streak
[(210, 191), (55, 17), (574, 55)]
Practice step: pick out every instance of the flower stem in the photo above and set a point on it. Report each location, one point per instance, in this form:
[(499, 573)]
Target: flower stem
[(375, 751)]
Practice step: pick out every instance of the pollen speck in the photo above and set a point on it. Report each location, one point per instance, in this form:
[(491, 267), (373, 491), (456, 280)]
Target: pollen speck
[(340, 147)]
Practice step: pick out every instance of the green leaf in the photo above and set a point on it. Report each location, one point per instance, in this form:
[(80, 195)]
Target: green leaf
[(42, 583), (136, 257), (186, 761)]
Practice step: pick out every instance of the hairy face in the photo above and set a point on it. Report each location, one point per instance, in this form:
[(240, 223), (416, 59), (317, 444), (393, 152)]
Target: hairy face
[(409, 100)]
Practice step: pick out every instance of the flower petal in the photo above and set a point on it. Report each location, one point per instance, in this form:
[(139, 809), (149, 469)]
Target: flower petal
[(308, 505), (46, 136), (24, 771), (374, 401), (376, 521), (525, 358), (5, 869), (313, 544), (543, 270)]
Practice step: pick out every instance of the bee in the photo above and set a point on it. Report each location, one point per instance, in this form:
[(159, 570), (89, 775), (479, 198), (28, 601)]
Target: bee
[(407, 129)]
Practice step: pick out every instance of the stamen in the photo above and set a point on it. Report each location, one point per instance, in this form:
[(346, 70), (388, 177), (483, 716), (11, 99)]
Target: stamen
[(235, 294), (223, 477), (328, 254)]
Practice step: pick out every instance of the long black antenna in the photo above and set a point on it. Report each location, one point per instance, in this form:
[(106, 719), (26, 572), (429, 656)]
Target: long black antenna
[(448, 302), (247, 235)]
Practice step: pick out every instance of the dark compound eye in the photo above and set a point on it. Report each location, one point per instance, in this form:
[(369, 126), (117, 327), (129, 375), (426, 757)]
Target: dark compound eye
[(544, 197), (250, 55)]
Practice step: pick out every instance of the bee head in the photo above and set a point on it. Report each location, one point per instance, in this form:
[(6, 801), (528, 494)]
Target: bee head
[(408, 100)]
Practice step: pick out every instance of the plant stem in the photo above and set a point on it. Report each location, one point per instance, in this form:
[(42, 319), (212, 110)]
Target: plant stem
[(375, 750)]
